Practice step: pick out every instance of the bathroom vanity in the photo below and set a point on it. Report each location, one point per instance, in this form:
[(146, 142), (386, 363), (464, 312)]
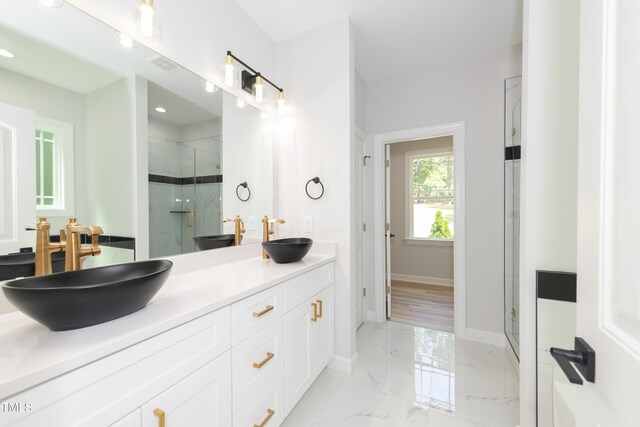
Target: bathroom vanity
[(234, 344)]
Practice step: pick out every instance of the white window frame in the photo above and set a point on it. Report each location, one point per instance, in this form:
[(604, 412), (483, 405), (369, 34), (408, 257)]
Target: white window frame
[(408, 199), (64, 161)]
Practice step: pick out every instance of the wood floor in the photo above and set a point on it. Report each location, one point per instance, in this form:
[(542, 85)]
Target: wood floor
[(429, 306)]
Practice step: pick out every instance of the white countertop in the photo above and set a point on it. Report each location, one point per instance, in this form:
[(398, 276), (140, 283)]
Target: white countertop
[(31, 354)]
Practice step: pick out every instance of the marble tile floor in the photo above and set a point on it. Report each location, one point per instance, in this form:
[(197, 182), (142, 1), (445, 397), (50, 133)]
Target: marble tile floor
[(411, 376)]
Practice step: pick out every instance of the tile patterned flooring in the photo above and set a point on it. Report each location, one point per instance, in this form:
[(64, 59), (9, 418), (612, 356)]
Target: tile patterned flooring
[(411, 376)]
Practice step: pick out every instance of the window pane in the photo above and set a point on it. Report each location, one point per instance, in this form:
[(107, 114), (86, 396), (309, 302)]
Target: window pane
[(47, 170), (433, 196), (38, 166)]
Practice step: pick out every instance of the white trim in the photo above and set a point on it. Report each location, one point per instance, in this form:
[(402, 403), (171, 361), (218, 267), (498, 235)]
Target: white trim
[(424, 280), (457, 130), (64, 158), (344, 364), (429, 242), (492, 338)]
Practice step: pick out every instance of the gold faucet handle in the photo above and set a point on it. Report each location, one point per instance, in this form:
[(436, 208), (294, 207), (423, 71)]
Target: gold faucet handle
[(272, 222), (228, 220), (93, 230)]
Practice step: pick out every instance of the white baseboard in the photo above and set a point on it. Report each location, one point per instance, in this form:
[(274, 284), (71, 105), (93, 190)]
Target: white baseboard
[(422, 279), (344, 364), (485, 337)]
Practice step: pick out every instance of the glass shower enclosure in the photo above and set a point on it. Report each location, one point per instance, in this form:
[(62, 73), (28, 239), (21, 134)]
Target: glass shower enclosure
[(512, 155), (185, 185)]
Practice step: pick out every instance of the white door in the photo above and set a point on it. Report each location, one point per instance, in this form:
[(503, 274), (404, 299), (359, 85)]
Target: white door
[(298, 353), (387, 227), (609, 210), (360, 233), (17, 177), (323, 330), (201, 399)]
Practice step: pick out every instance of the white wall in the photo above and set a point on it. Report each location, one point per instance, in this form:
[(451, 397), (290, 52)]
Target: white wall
[(549, 164), (111, 152), (426, 261), (315, 139), (56, 103), (469, 90)]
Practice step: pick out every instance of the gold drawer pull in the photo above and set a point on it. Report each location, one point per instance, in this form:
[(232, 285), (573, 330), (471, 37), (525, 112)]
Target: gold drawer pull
[(270, 413), (315, 312), (263, 312), (160, 414), (266, 359), (319, 301)]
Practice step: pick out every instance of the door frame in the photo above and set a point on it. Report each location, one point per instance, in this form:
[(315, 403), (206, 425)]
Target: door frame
[(457, 130)]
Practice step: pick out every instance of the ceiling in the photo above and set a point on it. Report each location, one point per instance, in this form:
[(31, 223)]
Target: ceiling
[(179, 111), (394, 37)]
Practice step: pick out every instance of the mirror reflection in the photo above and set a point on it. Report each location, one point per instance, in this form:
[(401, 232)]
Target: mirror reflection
[(96, 127)]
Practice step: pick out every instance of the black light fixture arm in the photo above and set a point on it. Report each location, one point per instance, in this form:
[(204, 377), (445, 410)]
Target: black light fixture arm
[(256, 73)]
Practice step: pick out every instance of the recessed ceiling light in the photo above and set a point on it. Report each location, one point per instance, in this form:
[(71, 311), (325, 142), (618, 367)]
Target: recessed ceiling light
[(5, 53), (160, 110), (124, 40), (52, 3)]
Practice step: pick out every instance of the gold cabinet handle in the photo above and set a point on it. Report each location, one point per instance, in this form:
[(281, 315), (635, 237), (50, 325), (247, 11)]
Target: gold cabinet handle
[(264, 361), (161, 415), (263, 312), (270, 413), (319, 301), (315, 312)]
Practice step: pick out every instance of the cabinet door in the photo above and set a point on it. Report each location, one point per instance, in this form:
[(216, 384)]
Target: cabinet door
[(299, 361), (323, 330), (131, 420), (201, 399)]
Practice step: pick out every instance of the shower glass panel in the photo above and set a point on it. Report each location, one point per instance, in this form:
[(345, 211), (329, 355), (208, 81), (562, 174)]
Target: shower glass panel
[(184, 193), (512, 137)]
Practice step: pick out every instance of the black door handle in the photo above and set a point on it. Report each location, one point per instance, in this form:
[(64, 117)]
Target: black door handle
[(391, 235), (584, 358)]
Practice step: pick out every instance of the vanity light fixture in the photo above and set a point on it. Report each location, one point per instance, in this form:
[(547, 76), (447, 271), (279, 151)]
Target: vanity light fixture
[(52, 3), (228, 70), (209, 86), (240, 103), (146, 17), (124, 40), (252, 80), (6, 54), (281, 102), (161, 110)]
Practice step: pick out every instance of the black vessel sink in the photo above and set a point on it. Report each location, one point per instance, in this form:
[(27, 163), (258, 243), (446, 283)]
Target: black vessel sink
[(83, 298), (24, 265), (215, 242), (283, 251)]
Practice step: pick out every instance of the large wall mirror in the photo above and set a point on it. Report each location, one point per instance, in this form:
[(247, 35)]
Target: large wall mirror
[(98, 127)]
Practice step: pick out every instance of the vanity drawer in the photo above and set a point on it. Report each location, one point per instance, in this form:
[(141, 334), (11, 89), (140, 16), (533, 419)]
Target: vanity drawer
[(256, 362), (267, 403), (254, 313), (301, 288)]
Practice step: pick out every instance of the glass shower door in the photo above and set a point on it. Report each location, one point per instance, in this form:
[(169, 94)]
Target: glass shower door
[(513, 132)]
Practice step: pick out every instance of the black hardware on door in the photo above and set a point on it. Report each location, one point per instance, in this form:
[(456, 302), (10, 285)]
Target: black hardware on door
[(584, 358)]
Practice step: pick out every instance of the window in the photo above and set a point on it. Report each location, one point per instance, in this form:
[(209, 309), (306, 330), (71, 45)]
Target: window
[(54, 167), (430, 213)]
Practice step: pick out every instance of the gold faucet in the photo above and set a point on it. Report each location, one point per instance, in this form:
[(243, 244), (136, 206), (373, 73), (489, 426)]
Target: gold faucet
[(45, 247), (239, 228), (75, 251), (268, 228)]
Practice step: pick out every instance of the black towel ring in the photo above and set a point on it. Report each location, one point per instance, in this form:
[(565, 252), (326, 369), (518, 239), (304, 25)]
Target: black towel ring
[(315, 180), (245, 185)]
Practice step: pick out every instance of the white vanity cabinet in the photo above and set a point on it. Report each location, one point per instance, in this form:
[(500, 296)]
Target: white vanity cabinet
[(245, 364), (309, 330)]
